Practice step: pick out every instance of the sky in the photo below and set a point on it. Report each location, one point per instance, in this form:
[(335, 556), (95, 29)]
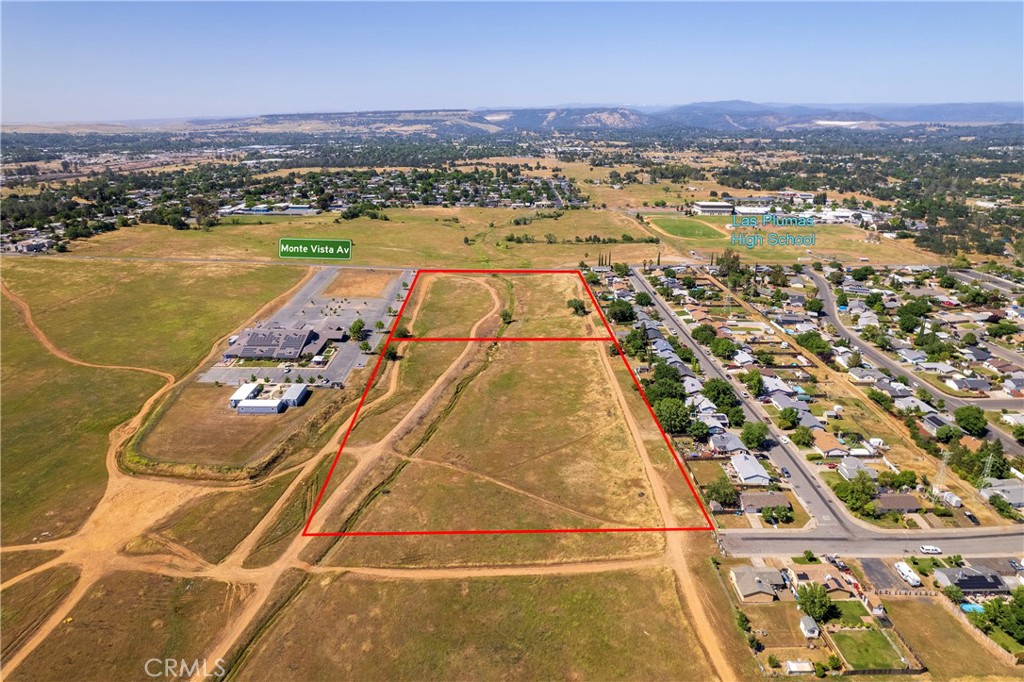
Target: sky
[(149, 60)]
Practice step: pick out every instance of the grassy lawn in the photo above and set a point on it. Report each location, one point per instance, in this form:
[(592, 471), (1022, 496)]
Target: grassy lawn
[(168, 314), (866, 649), (803, 561), (56, 417), (849, 612), (948, 650), (926, 565), (686, 228), (935, 382), (614, 625), (127, 618)]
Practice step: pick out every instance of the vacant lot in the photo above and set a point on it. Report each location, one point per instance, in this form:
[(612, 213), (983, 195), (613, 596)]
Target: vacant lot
[(540, 417), (56, 417), (197, 426), (27, 604), (360, 283), (687, 228), (212, 526), (449, 306), (127, 618), (453, 303), (948, 650), (160, 315), (616, 625)]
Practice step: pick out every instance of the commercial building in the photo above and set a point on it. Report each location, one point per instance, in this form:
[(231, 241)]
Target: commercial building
[(712, 208)]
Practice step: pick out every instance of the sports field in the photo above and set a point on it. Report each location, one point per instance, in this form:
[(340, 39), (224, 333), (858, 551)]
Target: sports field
[(847, 244)]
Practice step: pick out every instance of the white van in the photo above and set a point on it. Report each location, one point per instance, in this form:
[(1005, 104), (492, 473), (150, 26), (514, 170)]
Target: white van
[(930, 549)]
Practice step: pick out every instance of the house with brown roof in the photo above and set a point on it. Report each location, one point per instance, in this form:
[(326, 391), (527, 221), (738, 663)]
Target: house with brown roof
[(829, 576), (897, 502), (828, 445)]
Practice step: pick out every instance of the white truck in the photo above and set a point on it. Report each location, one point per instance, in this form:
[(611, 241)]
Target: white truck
[(907, 573)]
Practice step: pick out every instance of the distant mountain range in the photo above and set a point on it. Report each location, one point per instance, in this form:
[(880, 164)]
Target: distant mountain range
[(732, 115)]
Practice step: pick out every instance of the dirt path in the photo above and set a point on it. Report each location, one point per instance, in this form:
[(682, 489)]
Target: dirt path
[(675, 542), (579, 568)]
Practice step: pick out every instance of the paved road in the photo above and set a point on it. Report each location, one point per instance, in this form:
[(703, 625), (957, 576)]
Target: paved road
[(835, 531), (821, 503), (986, 281), (879, 358)]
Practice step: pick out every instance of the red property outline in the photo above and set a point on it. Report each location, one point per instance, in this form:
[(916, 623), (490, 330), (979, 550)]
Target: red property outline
[(611, 337)]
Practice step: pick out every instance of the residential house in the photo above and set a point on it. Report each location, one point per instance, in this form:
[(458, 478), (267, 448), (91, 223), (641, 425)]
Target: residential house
[(699, 404), (748, 470), (935, 421), (968, 384), (810, 421), (897, 502), (821, 574), (828, 445), (912, 356), (754, 502), (849, 467), (971, 579), (1010, 489), (757, 585), (912, 404), (716, 422), (862, 375)]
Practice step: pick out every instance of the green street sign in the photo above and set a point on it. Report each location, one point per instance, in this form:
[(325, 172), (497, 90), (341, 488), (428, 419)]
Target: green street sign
[(334, 249)]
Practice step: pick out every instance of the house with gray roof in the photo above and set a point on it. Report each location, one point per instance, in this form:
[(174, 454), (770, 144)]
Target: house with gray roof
[(748, 469), (1010, 489)]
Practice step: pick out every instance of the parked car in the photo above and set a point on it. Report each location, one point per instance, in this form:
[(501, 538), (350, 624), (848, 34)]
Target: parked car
[(1015, 565), (785, 472), (785, 439), (930, 549), (972, 518)]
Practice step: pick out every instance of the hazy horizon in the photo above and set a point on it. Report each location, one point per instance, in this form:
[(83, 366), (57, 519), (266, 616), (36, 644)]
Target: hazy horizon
[(121, 62)]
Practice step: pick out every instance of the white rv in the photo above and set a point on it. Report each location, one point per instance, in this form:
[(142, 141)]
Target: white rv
[(907, 573)]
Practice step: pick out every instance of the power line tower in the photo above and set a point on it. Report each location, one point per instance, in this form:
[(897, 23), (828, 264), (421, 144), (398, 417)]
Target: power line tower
[(987, 473)]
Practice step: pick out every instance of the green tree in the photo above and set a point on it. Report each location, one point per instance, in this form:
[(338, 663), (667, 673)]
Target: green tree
[(705, 334), (673, 415), (970, 339), (722, 491), (356, 328), (698, 431), (754, 382), (814, 305), (754, 435), (506, 316), (365, 347), (1018, 433), (723, 348), (720, 393), (953, 593), (813, 600), (643, 299), (620, 311), (580, 308), (813, 342), (971, 419), (803, 437), (789, 417)]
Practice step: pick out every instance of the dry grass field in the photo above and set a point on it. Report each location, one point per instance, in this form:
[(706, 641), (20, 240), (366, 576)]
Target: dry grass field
[(129, 617), (29, 602), (213, 525), (164, 316), (537, 303), (614, 625), (424, 237)]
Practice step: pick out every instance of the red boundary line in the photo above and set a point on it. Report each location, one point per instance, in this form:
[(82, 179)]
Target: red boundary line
[(376, 368)]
